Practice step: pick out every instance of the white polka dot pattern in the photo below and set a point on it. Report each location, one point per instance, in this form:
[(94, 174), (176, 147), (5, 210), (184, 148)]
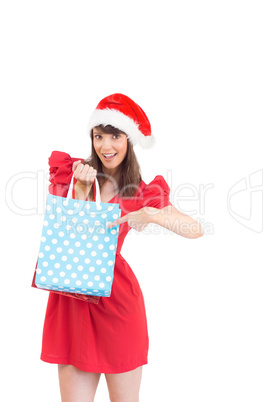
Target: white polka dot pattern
[(77, 251)]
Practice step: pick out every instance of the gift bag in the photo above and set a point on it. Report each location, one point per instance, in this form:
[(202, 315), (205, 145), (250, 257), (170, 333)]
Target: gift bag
[(77, 250)]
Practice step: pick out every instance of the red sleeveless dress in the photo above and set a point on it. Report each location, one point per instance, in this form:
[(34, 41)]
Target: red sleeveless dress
[(110, 336)]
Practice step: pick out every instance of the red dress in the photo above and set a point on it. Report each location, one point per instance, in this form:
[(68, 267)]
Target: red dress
[(111, 336)]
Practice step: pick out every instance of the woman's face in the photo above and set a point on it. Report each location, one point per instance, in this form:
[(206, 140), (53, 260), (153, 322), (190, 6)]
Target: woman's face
[(110, 148)]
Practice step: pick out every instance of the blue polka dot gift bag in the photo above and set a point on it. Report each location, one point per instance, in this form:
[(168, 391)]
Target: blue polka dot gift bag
[(77, 250)]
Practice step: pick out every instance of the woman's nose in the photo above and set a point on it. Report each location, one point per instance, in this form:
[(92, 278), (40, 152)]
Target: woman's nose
[(106, 144)]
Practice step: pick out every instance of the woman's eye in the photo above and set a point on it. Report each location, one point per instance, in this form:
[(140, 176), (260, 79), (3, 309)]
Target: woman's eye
[(97, 136), (116, 136)]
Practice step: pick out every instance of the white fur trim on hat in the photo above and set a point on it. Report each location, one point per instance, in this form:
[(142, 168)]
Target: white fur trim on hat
[(119, 120)]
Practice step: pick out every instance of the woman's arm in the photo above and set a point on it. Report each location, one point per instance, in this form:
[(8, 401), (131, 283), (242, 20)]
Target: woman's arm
[(176, 221), (169, 217)]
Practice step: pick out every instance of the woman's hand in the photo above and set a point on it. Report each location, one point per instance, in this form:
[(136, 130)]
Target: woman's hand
[(138, 220), (84, 174)]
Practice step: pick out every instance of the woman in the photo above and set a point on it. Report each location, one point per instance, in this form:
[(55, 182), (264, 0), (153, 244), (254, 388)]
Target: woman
[(110, 336)]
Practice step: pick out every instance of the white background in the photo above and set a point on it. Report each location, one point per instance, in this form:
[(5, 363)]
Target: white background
[(199, 70)]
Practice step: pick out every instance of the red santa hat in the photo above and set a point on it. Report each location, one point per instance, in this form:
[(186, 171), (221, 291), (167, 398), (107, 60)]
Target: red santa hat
[(123, 113)]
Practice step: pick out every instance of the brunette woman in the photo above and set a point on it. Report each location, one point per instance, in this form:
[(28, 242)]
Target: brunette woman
[(109, 336)]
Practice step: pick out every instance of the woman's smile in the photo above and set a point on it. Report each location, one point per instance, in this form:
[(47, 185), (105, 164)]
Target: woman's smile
[(109, 156)]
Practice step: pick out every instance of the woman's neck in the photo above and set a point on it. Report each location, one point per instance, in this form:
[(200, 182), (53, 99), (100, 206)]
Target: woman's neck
[(113, 173)]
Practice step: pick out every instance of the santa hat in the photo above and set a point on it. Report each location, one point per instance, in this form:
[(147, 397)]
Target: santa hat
[(123, 113)]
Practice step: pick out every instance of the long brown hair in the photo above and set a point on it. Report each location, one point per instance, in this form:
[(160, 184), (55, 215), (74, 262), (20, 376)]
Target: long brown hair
[(130, 175)]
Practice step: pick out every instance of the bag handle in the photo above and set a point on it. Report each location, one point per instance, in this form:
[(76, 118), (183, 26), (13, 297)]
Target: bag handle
[(70, 191)]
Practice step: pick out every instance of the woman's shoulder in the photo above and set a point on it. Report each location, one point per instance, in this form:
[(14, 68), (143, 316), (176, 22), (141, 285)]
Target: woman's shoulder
[(158, 183), (156, 193), (60, 171), (59, 158)]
